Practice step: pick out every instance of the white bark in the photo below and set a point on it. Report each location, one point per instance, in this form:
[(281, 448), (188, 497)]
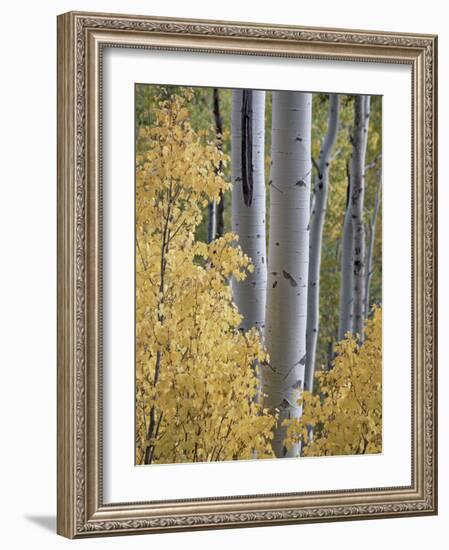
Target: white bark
[(347, 274), (316, 236), (249, 201), (288, 259), (371, 239), (359, 145)]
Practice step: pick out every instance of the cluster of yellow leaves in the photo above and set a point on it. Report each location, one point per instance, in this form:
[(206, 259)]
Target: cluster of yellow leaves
[(196, 383), (346, 415)]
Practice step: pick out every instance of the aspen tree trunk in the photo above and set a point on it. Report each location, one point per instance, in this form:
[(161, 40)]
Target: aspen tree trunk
[(371, 239), (359, 145), (220, 207), (347, 273), (248, 201), (316, 237), (288, 259)]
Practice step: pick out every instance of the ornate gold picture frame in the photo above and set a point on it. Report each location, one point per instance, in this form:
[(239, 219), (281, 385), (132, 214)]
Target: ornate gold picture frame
[(82, 40)]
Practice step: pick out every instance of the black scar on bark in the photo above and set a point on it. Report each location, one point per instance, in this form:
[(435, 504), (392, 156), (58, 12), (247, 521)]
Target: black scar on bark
[(247, 147), (301, 183), (289, 278), (275, 284)]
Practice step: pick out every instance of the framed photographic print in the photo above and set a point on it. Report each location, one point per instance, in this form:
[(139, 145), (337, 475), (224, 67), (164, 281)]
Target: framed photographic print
[(246, 274)]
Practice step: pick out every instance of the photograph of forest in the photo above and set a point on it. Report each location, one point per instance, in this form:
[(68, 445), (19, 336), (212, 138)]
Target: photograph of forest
[(258, 274)]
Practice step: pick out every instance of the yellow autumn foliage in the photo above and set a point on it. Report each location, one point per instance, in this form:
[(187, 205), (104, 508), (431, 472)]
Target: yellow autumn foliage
[(346, 414), (195, 378)]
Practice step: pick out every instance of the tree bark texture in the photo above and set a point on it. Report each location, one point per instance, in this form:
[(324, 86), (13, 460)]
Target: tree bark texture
[(359, 146), (316, 238), (347, 274), (249, 201), (288, 261)]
